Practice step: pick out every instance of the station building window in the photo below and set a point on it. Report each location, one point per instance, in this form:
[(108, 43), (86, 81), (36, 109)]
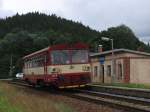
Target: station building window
[(119, 71), (101, 70), (108, 70), (95, 71)]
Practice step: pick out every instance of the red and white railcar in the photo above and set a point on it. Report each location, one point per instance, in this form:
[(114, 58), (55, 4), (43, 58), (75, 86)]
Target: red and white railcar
[(60, 65)]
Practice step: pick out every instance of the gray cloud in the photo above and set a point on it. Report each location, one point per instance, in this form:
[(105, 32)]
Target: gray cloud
[(98, 14), (101, 14), (6, 13), (0, 4)]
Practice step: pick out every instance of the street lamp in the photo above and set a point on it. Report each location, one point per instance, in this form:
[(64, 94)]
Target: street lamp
[(112, 47)]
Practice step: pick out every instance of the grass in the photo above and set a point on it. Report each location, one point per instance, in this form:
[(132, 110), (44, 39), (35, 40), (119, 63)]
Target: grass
[(5, 106), (61, 107), (131, 85), (13, 99)]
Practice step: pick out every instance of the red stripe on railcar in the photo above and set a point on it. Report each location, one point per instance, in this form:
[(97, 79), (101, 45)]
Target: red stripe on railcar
[(67, 79)]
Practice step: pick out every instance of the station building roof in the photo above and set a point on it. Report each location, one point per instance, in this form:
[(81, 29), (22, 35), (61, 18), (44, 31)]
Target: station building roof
[(117, 51)]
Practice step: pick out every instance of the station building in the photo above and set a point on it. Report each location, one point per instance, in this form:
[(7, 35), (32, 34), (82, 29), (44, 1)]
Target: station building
[(129, 67)]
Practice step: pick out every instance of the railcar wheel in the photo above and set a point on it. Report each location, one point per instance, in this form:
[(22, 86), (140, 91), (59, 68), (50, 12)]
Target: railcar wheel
[(40, 83), (28, 81)]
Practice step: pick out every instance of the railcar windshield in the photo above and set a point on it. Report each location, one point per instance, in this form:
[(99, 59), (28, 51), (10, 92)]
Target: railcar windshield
[(69, 56), (79, 56), (60, 57)]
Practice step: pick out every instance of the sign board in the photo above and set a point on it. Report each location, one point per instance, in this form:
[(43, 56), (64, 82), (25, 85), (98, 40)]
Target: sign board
[(101, 60)]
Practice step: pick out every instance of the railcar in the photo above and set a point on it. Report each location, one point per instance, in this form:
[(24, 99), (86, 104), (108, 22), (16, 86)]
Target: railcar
[(62, 66)]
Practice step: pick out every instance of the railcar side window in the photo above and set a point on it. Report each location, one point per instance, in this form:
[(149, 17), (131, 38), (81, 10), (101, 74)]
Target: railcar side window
[(36, 61)]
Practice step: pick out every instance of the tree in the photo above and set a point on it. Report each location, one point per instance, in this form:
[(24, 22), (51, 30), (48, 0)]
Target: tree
[(23, 34)]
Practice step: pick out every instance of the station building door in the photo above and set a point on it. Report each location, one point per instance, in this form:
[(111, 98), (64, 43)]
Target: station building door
[(98, 73), (101, 73)]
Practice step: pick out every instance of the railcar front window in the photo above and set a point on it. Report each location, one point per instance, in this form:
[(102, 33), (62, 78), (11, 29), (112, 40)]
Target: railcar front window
[(79, 56), (60, 57)]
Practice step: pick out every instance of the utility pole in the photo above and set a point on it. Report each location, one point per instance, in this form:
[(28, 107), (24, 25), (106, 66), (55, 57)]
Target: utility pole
[(148, 43), (11, 67), (113, 61)]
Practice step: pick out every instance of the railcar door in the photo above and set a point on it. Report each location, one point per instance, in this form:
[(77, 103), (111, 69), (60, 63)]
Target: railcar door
[(45, 64)]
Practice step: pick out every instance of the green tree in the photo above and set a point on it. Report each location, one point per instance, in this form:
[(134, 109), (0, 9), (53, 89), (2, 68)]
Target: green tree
[(23, 34)]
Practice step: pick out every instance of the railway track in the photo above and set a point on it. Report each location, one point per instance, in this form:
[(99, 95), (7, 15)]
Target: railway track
[(128, 103), (20, 83), (133, 104), (143, 93)]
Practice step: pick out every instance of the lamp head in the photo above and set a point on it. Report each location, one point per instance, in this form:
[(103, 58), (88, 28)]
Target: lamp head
[(105, 38)]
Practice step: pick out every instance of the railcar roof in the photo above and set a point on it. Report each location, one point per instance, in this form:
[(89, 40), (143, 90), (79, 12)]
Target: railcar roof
[(40, 51), (60, 47)]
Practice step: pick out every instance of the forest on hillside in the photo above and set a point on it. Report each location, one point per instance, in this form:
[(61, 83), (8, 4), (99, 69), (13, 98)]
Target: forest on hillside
[(23, 34)]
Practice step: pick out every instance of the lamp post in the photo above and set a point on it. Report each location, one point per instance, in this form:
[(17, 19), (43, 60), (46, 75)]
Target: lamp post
[(112, 47), (11, 67)]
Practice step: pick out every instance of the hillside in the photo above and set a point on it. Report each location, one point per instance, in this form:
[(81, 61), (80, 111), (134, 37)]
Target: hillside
[(37, 22), (23, 34)]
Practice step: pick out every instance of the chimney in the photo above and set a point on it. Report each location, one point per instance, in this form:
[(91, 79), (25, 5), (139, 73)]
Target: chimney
[(100, 48)]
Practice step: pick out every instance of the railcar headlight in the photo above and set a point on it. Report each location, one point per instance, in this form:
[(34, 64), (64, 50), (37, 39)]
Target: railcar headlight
[(56, 70), (53, 69)]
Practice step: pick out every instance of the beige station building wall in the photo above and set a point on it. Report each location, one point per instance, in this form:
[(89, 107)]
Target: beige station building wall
[(140, 70), (129, 68)]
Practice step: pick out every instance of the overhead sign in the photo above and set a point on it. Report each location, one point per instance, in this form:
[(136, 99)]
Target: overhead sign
[(101, 60)]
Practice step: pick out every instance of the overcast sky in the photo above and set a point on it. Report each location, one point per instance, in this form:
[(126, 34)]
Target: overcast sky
[(98, 14)]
